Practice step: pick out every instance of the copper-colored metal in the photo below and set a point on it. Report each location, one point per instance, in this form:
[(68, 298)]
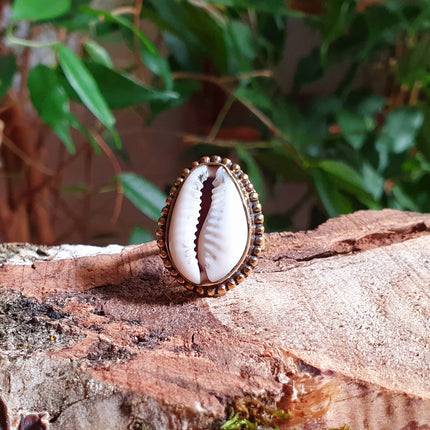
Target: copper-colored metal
[(255, 218)]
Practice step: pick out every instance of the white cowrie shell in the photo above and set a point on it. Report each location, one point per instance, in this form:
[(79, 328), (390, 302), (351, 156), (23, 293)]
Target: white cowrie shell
[(211, 229)]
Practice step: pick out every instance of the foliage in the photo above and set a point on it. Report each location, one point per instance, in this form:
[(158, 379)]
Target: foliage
[(249, 413), (366, 145)]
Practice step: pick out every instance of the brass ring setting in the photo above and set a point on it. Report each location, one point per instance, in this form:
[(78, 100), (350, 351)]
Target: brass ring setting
[(211, 231)]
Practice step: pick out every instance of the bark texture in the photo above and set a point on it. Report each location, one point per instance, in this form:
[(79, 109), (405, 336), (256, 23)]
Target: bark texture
[(334, 327)]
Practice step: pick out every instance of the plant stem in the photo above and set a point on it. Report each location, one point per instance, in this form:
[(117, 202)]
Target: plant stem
[(220, 119), (117, 169), (222, 83), (12, 40)]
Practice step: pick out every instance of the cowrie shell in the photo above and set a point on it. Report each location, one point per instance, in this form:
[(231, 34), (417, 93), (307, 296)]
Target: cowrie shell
[(211, 229)]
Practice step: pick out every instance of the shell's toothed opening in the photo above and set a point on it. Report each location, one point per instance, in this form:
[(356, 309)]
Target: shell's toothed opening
[(205, 204), (209, 229)]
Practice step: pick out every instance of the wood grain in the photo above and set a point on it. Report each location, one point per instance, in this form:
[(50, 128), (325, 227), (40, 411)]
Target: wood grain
[(333, 327)]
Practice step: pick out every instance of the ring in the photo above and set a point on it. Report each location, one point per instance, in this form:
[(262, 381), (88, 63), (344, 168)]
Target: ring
[(211, 231)]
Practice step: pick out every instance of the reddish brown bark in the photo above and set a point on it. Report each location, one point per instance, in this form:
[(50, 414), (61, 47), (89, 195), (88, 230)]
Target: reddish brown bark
[(333, 328)]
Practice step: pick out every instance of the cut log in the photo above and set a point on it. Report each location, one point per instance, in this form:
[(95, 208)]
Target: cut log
[(333, 329)]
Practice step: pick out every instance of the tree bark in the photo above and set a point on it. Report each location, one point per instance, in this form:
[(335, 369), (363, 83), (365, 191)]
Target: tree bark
[(333, 328)]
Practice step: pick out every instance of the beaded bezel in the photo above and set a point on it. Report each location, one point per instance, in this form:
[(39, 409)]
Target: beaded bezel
[(255, 219)]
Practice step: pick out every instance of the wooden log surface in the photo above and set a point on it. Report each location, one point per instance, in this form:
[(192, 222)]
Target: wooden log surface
[(333, 327)]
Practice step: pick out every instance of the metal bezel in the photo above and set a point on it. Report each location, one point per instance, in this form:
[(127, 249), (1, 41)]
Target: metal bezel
[(255, 220)]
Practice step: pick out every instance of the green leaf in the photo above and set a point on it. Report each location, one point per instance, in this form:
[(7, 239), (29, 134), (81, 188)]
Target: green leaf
[(382, 27), (342, 171), (144, 195), (256, 97), (337, 14), (241, 46), (270, 6), (124, 23), (98, 54), (423, 137), (345, 178), (159, 66), (399, 131), (139, 235), (85, 86), (51, 103), (8, 69), (252, 170), (120, 91), (308, 70), (371, 105), (373, 181), (327, 106), (196, 34), (413, 66), (35, 10), (283, 162), (334, 202), (184, 90), (354, 128), (403, 199), (73, 20)]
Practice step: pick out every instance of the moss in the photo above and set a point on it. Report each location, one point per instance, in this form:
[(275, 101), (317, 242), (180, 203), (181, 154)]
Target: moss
[(250, 413)]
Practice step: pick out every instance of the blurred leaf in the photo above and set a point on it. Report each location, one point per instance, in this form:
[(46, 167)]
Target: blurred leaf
[(271, 6), (139, 235), (120, 91), (51, 103), (73, 20), (347, 179), (308, 70), (354, 128), (423, 137), (351, 44), (123, 22), (371, 105), (382, 25), (8, 69), (75, 123), (255, 96), (373, 181), (98, 54), (240, 47), (337, 15), (81, 80), (290, 120), (417, 167), (414, 65), (403, 199), (39, 9), (252, 170), (184, 89), (327, 106), (282, 162), (342, 171), (144, 195), (271, 36), (194, 34), (159, 66), (399, 131), (334, 202)]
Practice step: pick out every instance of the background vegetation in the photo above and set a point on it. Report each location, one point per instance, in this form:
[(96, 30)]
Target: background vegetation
[(364, 145)]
